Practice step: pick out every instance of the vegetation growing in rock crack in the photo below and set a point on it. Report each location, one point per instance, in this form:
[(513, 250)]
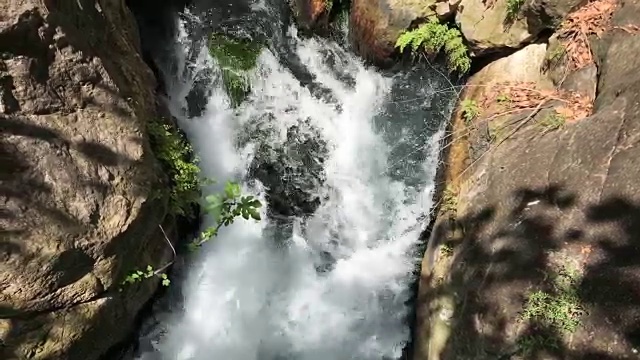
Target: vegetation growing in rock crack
[(552, 121), (175, 155), (446, 250), (434, 37), (558, 309), (503, 99), (513, 9), (470, 110), (236, 57), (449, 201), (530, 344)]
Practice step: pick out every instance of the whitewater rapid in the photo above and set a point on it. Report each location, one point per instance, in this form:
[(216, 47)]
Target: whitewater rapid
[(248, 295)]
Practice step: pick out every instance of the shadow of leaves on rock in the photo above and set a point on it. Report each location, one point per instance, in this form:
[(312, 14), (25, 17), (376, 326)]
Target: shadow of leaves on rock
[(506, 256)]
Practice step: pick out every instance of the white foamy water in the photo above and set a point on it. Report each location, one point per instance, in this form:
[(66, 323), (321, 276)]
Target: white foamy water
[(248, 296)]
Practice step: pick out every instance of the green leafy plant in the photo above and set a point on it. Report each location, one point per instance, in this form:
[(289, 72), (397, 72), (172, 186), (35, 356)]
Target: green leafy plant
[(470, 110), (225, 208), (529, 344), (559, 308), (552, 122), (434, 37), (236, 57), (138, 275), (175, 155), (513, 9)]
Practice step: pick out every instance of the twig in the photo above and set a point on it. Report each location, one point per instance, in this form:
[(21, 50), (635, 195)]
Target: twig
[(525, 121), (165, 266)]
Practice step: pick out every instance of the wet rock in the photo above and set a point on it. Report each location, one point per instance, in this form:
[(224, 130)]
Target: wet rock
[(292, 171), (236, 57), (312, 14)]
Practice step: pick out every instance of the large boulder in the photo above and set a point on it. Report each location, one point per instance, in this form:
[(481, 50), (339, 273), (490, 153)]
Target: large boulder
[(78, 182), (374, 26), (544, 264), (492, 28)]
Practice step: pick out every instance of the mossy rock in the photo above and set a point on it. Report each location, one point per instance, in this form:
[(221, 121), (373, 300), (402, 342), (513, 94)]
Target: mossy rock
[(236, 58)]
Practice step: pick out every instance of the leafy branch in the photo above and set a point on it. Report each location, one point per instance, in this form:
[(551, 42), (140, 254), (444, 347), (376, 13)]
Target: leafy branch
[(224, 208)]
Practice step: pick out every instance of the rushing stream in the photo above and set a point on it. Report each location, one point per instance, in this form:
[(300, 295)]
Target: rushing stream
[(357, 147)]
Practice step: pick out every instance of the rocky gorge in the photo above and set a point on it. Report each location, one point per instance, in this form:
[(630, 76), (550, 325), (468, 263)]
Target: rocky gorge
[(531, 252)]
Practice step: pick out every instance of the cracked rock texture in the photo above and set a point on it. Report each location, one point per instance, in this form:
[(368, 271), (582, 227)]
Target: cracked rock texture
[(540, 204), (76, 177)]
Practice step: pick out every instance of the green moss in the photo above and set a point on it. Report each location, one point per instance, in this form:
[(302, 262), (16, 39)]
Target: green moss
[(175, 156), (434, 37), (236, 58)]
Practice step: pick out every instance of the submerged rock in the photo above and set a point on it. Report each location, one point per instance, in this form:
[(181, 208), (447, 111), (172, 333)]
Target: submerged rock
[(79, 185), (292, 171)]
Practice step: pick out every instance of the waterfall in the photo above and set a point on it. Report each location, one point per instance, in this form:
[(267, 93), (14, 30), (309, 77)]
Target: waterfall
[(330, 284)]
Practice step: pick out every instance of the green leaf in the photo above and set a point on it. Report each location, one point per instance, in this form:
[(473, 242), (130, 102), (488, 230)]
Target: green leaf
[(166, 282), (232, 190), (149, 268), (255, 215)]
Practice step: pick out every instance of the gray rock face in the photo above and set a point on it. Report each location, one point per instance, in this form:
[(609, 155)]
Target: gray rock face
[(76, 178)]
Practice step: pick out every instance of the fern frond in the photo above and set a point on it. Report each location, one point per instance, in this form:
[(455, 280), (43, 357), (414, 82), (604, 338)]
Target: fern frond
[(434, 37)]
